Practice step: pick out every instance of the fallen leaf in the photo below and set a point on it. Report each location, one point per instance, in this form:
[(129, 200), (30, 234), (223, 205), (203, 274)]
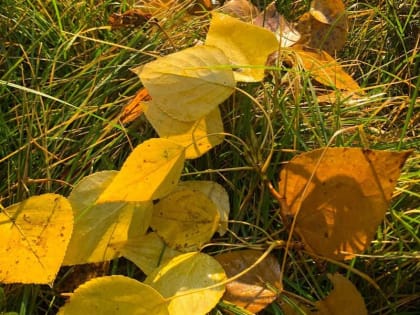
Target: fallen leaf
[(324, 68), (134, 109), (185, 219), (150, 172), (197, 137), (247, 47), (344, 299), (216, 193), (330, 12), (191, 271), (148, 252), (271, 19), (251, 291), (189, 84), (340, 208), (101, 230), (115, 295), (130, 18), (34, 237), (241, 9)]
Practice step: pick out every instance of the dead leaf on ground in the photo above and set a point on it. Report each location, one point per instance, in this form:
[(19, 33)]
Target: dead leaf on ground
[(241, 9), (344, 299), (324, 68), (134, 109), (271, 19), (324, 26), (344, 202), (251, 291)]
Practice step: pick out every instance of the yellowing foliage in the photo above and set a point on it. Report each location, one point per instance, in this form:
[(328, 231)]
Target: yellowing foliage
[(189, 84), (185, 219), (100, 230), (243, 53), (197, 137), (34, 236), (339, 196), (184, 281), (115, 295), (150, 172)]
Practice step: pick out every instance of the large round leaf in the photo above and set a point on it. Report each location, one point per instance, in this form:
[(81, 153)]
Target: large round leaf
[(186, 272), (115, 295), (34, 236), (189, 84)]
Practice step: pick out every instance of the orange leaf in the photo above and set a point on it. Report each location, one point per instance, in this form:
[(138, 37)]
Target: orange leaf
[(344, 299), (324, 68), (134, 109), (340, 195), (250, 291), (324, 26)]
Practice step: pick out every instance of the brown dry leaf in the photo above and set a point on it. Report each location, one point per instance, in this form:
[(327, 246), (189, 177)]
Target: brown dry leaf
[(324, 68), (241, 9), (324, 26), (295, 307), (271, 19), (130, 18), (344, 299), (344, 202), (250, 291), (134, 109)]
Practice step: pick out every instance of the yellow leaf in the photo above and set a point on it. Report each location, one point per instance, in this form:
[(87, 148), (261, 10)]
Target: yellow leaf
[(34, 237), (250, 291), (197, 137), (339, 210), (150, 172), (148, 252), (189, 84), (101, 230), (190, 271), (215, 193), (344, 299), (185, 219), (114, 295), (247, 46), (324, 68)]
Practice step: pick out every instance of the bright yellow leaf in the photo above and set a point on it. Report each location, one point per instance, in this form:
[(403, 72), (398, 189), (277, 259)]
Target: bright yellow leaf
[(148, 252), (101, 230), (216, 193), (344, 299), (186, 272), (34, 237), (340, 196), (114, 295), (150, 172), (185, 219), (247, 46), (197, 137), (189, 84)]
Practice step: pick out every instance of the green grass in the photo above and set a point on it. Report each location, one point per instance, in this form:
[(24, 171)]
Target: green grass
[(65, 78)]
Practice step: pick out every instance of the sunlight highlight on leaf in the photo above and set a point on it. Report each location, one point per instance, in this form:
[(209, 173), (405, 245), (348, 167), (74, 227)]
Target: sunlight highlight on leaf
[(101, 230), (150, 172), (198, 137), (187, 272), (246, 45), (34, 237), (346, 200), (115, 295), (189, 84)]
